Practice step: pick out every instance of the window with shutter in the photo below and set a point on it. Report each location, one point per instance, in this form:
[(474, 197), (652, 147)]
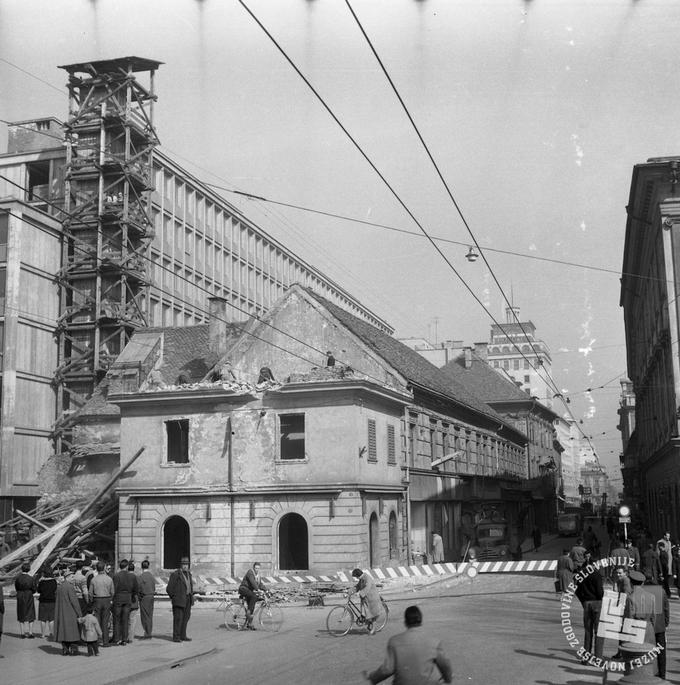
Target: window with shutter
[(372, 446)]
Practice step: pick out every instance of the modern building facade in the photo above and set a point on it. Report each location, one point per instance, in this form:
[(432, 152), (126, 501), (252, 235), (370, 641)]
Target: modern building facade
[(650, 296), (515, 349), (131, 240), (30, 255)]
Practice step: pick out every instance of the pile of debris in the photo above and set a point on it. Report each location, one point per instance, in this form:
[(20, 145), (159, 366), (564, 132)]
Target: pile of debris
[(59, 531)]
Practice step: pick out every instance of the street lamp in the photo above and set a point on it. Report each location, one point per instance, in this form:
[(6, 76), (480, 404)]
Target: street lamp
[(624, 517)]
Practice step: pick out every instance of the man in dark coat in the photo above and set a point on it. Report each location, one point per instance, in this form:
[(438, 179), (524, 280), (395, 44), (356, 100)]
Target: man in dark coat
[(651, 562), (66, 615), (412, 655), (147, 588), (590, 592), (180, 589), (662, 617), (124, 592), (250, 589), (2, 610), (25, 587)]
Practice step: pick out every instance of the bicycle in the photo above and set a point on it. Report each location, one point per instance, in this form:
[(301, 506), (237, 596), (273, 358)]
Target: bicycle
[(341, 618), (269, 615)]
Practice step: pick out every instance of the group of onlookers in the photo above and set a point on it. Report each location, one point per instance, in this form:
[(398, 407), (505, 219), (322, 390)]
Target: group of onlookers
[(644, 580), (76, 606)]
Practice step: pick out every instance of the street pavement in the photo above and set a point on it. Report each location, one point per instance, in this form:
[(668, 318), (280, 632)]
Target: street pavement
[(496, 628)]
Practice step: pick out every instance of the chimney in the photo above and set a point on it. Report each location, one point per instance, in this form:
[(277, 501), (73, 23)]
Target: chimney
[(217, 322), (33, 135), (468, 357), (482, 350)]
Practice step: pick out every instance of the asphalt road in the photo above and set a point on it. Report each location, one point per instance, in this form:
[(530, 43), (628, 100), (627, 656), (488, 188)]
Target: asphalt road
[(495, 629)]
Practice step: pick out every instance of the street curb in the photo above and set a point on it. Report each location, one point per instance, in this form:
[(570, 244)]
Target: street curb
[(162, 667)]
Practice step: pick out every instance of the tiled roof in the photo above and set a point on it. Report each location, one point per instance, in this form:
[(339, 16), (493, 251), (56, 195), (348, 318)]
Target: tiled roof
[(97, 405), (490, 385), (409, 363)]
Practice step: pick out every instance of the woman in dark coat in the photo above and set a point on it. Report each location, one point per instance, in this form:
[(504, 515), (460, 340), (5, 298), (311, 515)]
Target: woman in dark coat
[(47, 589), (2, 610), (66, 615), (25, 587)]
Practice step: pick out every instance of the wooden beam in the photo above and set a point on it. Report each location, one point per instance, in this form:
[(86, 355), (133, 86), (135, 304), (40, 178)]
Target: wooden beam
[(45, 535), (35, 522), (47, 550), (112, 481)]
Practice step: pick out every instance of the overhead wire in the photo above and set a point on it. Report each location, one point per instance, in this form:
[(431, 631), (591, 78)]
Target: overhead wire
[(394, 193), (313, 362), (550, 379), (425, 234)]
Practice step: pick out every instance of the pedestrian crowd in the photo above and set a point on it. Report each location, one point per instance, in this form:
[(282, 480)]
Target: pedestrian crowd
[(643, 582), (81, 605)]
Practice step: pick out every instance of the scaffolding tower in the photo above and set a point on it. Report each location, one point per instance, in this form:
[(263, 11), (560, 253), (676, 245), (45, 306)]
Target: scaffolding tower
[(110, 140)]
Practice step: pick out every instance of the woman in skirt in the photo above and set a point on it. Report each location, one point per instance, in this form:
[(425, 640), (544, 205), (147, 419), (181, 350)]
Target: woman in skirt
[(47, 589), (25, 587)]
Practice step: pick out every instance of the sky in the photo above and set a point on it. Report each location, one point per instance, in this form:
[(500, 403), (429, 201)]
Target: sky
[(534, 111)]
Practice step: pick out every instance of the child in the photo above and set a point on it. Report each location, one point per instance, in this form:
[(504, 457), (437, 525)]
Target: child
[(91, 632)]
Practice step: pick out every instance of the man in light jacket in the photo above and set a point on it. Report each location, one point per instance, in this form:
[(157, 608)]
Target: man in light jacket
[(413, 655)]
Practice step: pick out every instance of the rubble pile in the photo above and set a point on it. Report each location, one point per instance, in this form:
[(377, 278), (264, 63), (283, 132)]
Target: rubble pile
[(60, 529)]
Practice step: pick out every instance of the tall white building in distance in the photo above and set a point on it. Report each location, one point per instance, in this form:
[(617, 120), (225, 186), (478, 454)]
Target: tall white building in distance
[(513, 347)]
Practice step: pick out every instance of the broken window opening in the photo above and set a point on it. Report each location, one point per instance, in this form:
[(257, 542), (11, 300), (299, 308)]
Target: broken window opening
[(177, 433), (292, 428)]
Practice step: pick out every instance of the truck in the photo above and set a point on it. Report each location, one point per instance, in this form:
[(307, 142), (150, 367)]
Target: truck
[(492, 540), (570, 523)]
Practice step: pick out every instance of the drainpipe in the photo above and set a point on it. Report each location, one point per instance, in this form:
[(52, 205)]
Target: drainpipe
[(408, 487), (232, 517)]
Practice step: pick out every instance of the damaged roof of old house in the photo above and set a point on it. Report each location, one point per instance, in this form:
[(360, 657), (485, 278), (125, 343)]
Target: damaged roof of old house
[(185, 350), (410, 364), (488, 383)]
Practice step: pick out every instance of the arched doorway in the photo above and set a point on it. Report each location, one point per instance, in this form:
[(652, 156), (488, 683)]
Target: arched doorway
[(373, 541), (293, 543), (175, 541), (394, 545)]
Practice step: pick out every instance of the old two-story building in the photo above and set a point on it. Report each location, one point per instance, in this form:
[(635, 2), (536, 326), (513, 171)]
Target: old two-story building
[(259, 445), (539, 483)]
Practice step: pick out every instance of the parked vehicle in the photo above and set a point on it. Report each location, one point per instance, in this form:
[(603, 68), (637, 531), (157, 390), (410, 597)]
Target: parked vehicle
[(492, 540), (569, 524)]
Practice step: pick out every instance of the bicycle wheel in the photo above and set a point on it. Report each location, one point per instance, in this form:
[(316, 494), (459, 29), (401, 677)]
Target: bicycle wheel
[(339, 621), (380, 620), (270, 617), (235, 616)]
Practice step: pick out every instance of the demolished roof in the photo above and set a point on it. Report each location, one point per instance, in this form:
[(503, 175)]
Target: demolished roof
[(410, 364)]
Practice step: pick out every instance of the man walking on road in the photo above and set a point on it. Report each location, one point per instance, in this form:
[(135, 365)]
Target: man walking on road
[(662, 617), (590, 592), (147, 587), (412, 655), (181, 592), (664, 548)]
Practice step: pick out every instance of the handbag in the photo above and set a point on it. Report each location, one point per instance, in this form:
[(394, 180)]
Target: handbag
[(557, 585)]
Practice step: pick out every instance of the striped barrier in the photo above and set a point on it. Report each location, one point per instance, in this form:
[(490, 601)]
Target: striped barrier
[(423, 571)]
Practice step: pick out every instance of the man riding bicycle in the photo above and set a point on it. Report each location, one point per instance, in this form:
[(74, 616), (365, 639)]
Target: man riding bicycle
[(370, 597), (251, 589)]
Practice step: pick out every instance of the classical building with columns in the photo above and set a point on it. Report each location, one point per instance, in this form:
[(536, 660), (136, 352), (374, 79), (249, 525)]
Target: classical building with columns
[(650, 292)]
